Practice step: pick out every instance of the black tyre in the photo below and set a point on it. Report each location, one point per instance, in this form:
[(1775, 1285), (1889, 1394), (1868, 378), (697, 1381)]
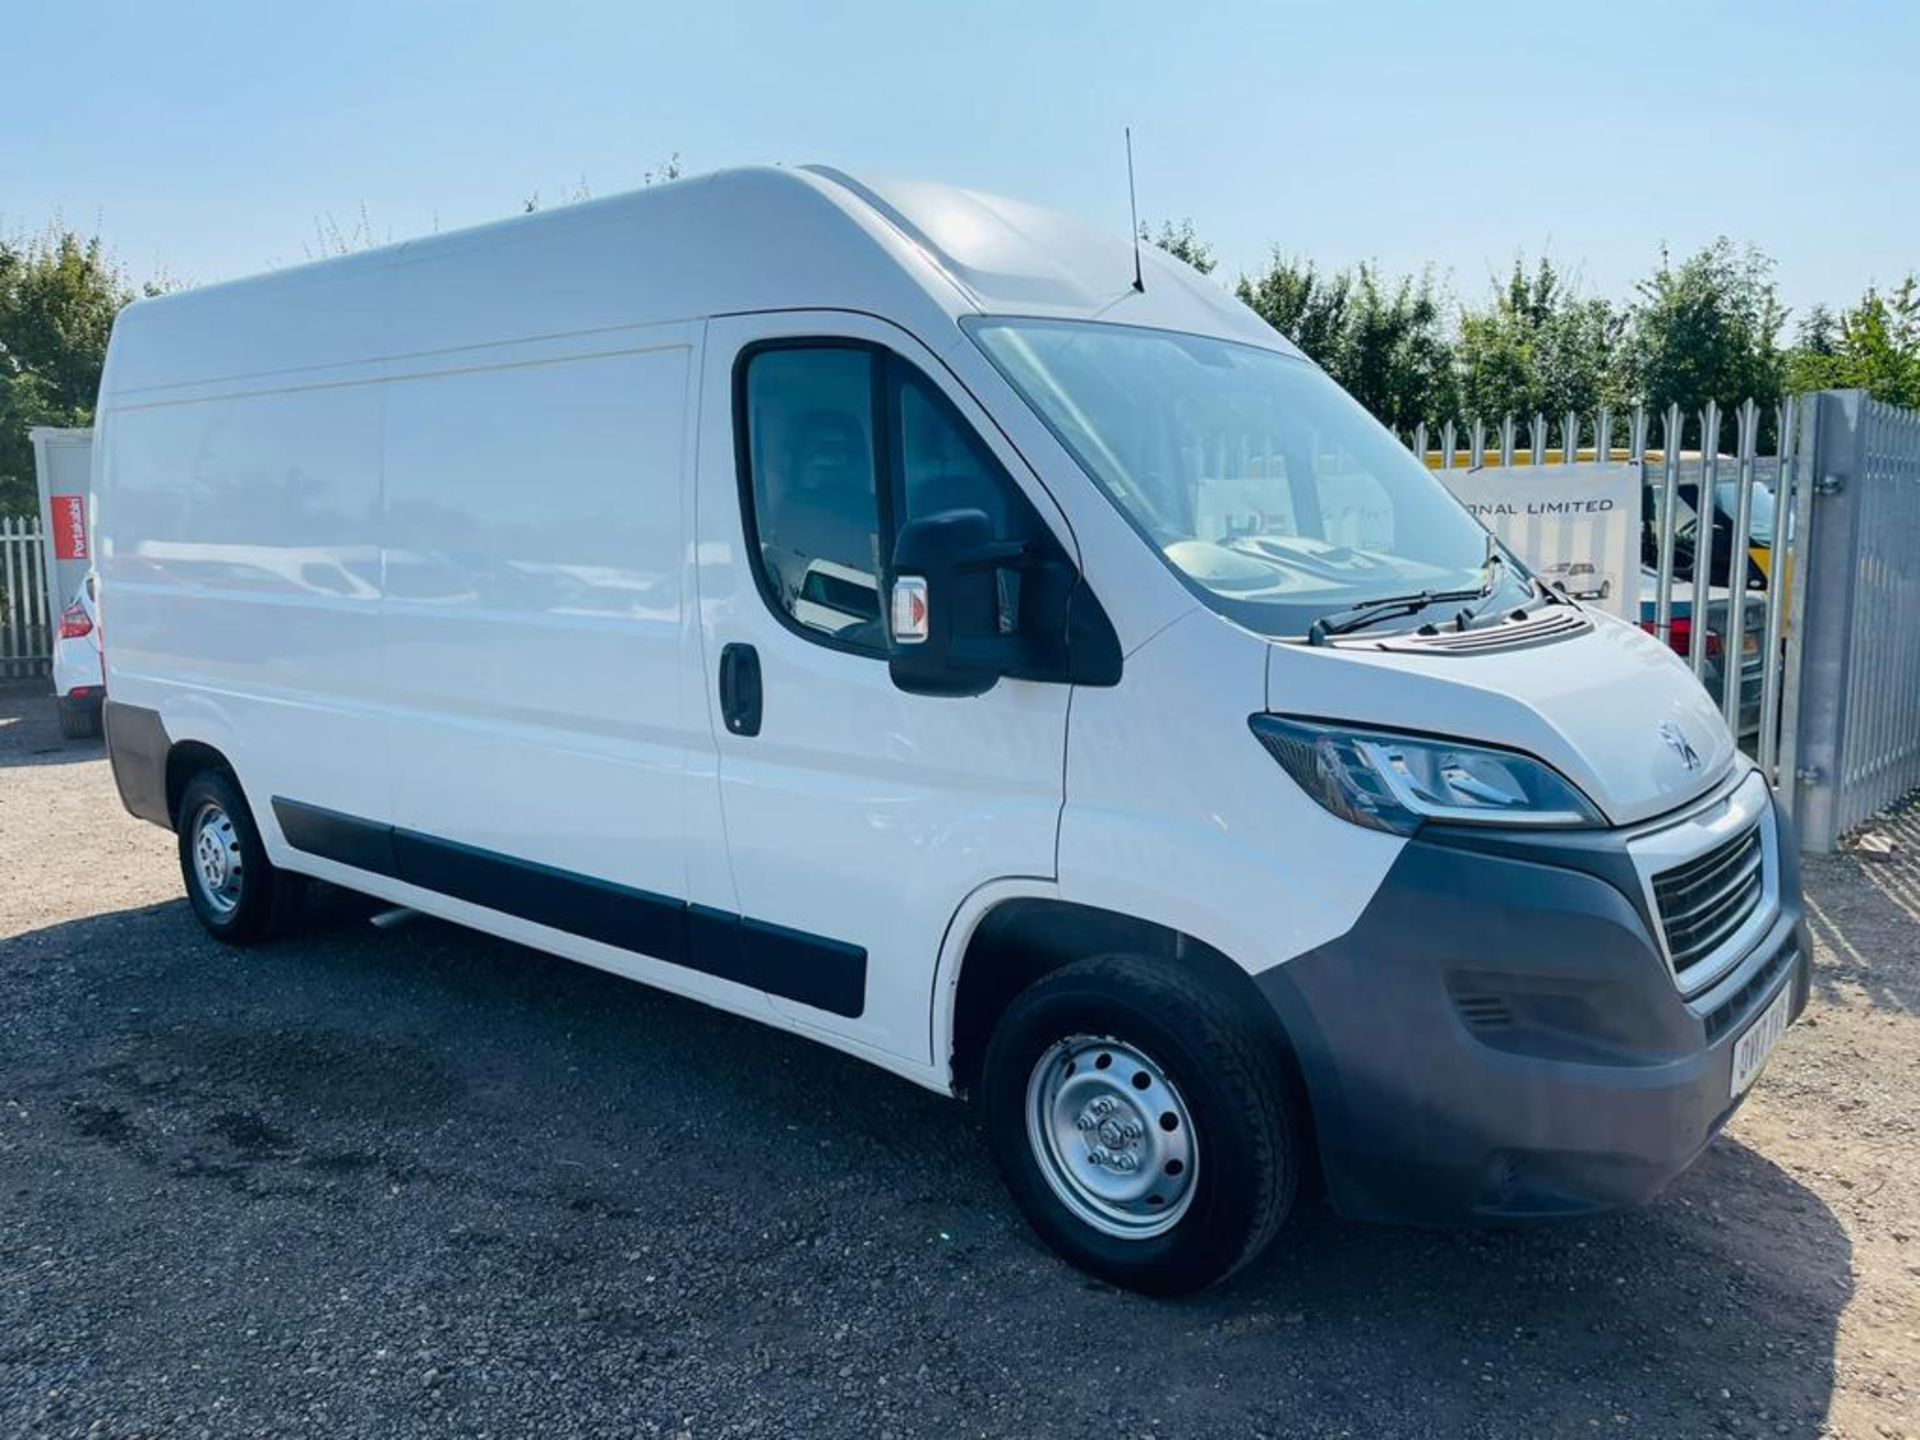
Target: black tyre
[(1148, 1131), (235, 890), (79, 722)]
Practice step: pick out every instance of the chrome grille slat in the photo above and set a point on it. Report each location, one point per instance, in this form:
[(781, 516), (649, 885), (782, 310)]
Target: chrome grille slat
[(1703, 902), (1703, 936), (1748, 869), (1705, 870), (1695, 871), (1679, 894)]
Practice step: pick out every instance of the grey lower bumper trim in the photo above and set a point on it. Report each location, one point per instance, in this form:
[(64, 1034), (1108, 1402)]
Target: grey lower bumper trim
[(1500, 1038)]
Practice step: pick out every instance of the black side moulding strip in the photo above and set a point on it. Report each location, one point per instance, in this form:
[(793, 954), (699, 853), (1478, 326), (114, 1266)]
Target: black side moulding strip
[(813, 970)]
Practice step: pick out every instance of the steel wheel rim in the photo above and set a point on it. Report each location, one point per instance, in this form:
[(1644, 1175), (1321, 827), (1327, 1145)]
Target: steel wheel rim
[(1112, 1136), (215, 850)]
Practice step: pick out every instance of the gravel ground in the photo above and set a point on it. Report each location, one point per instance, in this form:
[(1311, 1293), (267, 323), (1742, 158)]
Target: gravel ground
[(420, 1182)]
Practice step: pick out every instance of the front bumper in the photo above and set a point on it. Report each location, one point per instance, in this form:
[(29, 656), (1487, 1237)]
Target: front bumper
[(1499, 1036)]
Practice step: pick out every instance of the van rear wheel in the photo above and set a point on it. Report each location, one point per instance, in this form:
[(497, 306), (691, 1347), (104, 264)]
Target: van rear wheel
[(236, 891), (1145, 1128)]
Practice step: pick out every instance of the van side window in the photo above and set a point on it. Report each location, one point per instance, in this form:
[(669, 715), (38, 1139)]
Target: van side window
[(815, 514), (829, 487), (942, 464)]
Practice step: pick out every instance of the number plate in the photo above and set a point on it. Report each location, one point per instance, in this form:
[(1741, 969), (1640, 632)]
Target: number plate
[(1750, 1051)]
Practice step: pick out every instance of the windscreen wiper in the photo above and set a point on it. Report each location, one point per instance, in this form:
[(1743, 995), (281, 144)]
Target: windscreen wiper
[(1494, 561), (1342, 622)]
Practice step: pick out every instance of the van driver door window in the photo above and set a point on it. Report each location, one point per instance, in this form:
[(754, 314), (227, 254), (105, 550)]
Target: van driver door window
[(815, 501)]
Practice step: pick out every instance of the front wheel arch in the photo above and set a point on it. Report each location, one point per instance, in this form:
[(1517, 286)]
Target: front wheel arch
[(1087, 1068), (1021, 940)]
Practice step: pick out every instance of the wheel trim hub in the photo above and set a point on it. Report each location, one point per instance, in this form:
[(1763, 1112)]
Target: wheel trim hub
[(215, 848), (1112, 1136)]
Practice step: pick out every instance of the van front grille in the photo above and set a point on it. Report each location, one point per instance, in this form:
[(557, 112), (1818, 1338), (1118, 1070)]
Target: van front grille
[(1703, 902)]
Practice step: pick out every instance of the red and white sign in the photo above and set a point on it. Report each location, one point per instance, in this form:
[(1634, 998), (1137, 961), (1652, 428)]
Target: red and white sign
[(69, 527)]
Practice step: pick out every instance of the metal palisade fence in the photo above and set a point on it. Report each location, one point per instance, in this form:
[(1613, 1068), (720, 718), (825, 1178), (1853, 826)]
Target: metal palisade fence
[(26, 634), (1818, 610)]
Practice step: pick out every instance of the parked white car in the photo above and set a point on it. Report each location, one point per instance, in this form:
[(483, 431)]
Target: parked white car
[(1581, 579), (79, 669), (1046, 685)]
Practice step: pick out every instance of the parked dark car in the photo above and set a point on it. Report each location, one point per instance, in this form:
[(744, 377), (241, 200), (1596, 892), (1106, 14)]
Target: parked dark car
[(1686, 529)]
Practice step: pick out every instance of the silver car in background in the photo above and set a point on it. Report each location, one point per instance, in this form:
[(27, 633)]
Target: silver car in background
[(1714, 667)]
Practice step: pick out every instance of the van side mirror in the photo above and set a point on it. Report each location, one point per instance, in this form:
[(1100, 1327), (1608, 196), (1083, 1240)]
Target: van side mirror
[(966, 608), (953, 612)]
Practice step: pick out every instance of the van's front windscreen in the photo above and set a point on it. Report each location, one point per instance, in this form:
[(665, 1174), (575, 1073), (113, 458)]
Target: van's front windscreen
[(1268, 489)]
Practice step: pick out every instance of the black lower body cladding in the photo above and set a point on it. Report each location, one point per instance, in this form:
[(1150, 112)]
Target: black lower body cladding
[(815, 970), (137, 746), (1499, 1036)]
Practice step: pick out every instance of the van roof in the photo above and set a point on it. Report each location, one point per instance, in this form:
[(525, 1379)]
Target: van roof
[(1013, 258), (735, 241)]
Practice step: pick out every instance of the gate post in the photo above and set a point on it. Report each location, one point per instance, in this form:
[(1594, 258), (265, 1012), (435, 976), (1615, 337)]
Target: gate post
[(1820, 610)]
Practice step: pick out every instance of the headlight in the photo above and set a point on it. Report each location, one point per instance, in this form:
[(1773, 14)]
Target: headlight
[(1395, 782)]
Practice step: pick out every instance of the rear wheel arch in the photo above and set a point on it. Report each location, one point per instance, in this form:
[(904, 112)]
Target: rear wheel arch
[(186, 759), (238, 893)]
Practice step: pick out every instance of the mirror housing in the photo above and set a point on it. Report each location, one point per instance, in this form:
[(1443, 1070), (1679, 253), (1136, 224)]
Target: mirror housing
[(949, 630), (966, 608)]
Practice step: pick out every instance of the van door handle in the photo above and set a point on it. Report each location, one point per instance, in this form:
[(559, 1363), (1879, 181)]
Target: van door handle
[(740, 689)]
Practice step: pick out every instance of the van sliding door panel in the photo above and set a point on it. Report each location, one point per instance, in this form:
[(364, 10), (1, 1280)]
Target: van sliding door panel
[(533, 613)]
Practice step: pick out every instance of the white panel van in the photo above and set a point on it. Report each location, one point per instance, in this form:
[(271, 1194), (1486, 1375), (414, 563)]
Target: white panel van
[(863, 607)]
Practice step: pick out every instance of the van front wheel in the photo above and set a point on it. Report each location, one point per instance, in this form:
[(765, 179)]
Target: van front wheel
[(1144, 1127), (237, 893)]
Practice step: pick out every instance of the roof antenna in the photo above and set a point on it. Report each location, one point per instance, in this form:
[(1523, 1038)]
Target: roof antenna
[(1133, 205)]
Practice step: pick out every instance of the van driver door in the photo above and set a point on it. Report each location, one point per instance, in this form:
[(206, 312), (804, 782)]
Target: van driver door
[(858, 817)]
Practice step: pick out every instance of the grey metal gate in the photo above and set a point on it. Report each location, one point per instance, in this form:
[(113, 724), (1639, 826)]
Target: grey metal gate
[(1854, 666), (1833, 640)]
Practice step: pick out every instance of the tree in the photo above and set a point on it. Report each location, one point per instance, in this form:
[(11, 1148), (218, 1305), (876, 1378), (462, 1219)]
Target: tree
[(1182, 242), (59, 292), (1383, 340), (1706, 329), (1307, 307), (1819, 333), (1875, 347), (1399, 359), (1537, 348)]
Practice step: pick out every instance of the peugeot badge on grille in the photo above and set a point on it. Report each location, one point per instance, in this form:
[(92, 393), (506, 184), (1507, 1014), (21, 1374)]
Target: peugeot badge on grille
[(1683, 747)]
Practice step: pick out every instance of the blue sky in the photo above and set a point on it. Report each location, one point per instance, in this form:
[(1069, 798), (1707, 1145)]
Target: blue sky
[(207, 138)]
